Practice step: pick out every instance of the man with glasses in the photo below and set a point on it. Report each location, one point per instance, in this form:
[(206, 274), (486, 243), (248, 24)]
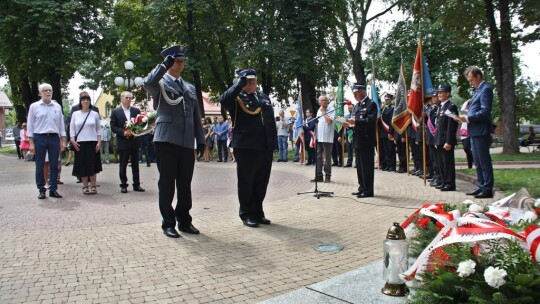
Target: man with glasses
[(127, 144), (47, 134)]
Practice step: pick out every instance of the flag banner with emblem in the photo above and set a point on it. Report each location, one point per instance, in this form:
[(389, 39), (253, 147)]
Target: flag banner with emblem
[(339, 106), (299, 120), (401, 117), (421, 85), (375, 98)]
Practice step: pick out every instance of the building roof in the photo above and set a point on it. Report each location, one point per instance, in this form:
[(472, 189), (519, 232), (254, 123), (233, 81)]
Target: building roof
[(4, 101)]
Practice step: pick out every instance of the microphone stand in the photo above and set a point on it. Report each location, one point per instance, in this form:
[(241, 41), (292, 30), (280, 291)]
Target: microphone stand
[(318, 194)]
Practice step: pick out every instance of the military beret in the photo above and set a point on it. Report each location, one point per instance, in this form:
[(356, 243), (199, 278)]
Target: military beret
[(357, 87), (248, 72), (176, 51), (388, 96), (445, 88)]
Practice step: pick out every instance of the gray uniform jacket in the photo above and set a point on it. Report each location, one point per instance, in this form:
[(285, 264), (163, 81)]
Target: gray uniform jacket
[(178, 124)]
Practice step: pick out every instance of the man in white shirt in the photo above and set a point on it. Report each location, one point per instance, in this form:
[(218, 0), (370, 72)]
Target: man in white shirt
[(47, 134), (324, 132)]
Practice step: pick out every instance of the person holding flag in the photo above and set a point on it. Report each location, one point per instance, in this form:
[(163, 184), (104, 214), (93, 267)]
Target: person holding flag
[(388, 138), (309, 137), (364, 117)]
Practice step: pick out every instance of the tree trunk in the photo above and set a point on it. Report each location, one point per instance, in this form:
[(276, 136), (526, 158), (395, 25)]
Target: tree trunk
[(502, 55), (55, 79), (196, 73), (26, 94), (308, 93)]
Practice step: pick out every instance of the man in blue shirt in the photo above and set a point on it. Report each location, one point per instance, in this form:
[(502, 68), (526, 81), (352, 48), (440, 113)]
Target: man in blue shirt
[(221, 130)]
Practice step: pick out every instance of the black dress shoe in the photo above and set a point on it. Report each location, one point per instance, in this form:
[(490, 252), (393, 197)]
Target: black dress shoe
[(357, 193), (401, 171), (475, 192), (317, 179), (171, 232), (365, 194), (42, 195), (484, 194), (448, 188), (348, 165), (54, 194), (188, 229), (138, 189), (439, 186), (250, 223), (123, 190), (264, 221)]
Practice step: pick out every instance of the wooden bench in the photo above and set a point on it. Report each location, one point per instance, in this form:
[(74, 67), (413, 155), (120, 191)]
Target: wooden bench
[(535, 144)]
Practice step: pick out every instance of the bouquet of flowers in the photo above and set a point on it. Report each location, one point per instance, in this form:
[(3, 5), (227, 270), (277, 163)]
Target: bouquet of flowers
[(143, 124), (470, 253)]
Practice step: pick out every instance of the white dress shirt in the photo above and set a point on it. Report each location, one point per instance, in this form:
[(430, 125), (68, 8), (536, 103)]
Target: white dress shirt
[(325, 131), (45, 118)]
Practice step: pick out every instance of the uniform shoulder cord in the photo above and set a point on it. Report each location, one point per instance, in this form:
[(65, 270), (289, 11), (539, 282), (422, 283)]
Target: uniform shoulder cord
[(246, 110)]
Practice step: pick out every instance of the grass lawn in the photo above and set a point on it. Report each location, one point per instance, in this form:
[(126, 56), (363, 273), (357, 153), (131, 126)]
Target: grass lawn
[(512, 157), (510, 181)]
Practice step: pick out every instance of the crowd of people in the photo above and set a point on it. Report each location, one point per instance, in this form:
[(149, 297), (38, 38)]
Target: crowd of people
[(251, 137)]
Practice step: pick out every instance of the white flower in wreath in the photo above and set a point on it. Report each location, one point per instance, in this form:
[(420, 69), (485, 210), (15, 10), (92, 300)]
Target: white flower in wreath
[(466, 268), (530, 216), (467, 202), (495, 276), (476, 208), (145, 119), (537, 203)]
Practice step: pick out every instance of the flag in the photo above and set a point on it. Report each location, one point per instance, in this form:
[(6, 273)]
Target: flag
[(299, 120), (401, 118), (421, 86), (339, 106), (375, 98)]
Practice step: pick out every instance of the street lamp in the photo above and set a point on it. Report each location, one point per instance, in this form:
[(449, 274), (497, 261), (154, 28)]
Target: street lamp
[(119, 81)]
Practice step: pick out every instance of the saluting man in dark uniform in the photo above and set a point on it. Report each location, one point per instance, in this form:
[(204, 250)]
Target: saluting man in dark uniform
[(178, 124), (364, 121), (254, 140)]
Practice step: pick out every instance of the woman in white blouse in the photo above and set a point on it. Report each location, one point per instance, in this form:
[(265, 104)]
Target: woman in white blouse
[(86, 139)]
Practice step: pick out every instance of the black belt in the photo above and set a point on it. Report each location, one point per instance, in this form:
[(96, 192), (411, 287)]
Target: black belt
[(48, 134)]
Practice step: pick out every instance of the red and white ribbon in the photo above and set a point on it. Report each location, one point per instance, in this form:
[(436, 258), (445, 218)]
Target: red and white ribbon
[(532, 234)]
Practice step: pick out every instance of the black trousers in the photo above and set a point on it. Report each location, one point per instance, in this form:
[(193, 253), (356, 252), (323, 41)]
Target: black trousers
[(350, 152), (382, 152), (125, 155), (222, 150), (253, 169), (447, 166), (175, 165), (390, 154), (434, 161), (401, 151), (365, 169), (18, 146)]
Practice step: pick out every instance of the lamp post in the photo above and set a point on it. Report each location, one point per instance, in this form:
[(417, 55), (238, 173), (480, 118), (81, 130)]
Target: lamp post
[(119, 81)]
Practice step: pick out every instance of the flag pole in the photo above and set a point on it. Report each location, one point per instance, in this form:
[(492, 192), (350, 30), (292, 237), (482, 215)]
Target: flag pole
[(303, 154), (423, 120), (343, 112), (376, 120)]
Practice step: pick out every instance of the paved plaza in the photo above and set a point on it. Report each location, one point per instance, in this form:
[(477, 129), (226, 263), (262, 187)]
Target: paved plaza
[(109, 247)]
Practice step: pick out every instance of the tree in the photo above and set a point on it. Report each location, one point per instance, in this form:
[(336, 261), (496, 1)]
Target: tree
[(475, 20), (46, 41)]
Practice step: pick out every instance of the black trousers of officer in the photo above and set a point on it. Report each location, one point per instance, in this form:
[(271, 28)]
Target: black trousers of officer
[(434, 162), (382, 154), (401, 151), (365, 168), (175, 165), (390, 154), (253, 169), (447, 166)]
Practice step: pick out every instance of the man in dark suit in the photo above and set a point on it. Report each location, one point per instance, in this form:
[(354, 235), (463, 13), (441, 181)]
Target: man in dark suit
[(254, 140), (480, 128), (388, 140), (364, 121), (127, 144), (178, 125), (431, 136), (446, 139), (309, 131)]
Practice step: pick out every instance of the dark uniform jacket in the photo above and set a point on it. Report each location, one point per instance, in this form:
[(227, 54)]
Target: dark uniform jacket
[(446, 126), (365, 115), (387, 113), (253, 121), (179, 124)]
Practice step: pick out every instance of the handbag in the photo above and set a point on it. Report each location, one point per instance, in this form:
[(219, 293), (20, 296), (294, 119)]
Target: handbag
[(70, 146)]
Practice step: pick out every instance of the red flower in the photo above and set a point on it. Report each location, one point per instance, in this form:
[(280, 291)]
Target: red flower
[(423, 222), (537, 211)]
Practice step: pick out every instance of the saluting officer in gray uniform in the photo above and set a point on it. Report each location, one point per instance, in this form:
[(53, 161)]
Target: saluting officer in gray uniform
[(178, 124), (254, 140)]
